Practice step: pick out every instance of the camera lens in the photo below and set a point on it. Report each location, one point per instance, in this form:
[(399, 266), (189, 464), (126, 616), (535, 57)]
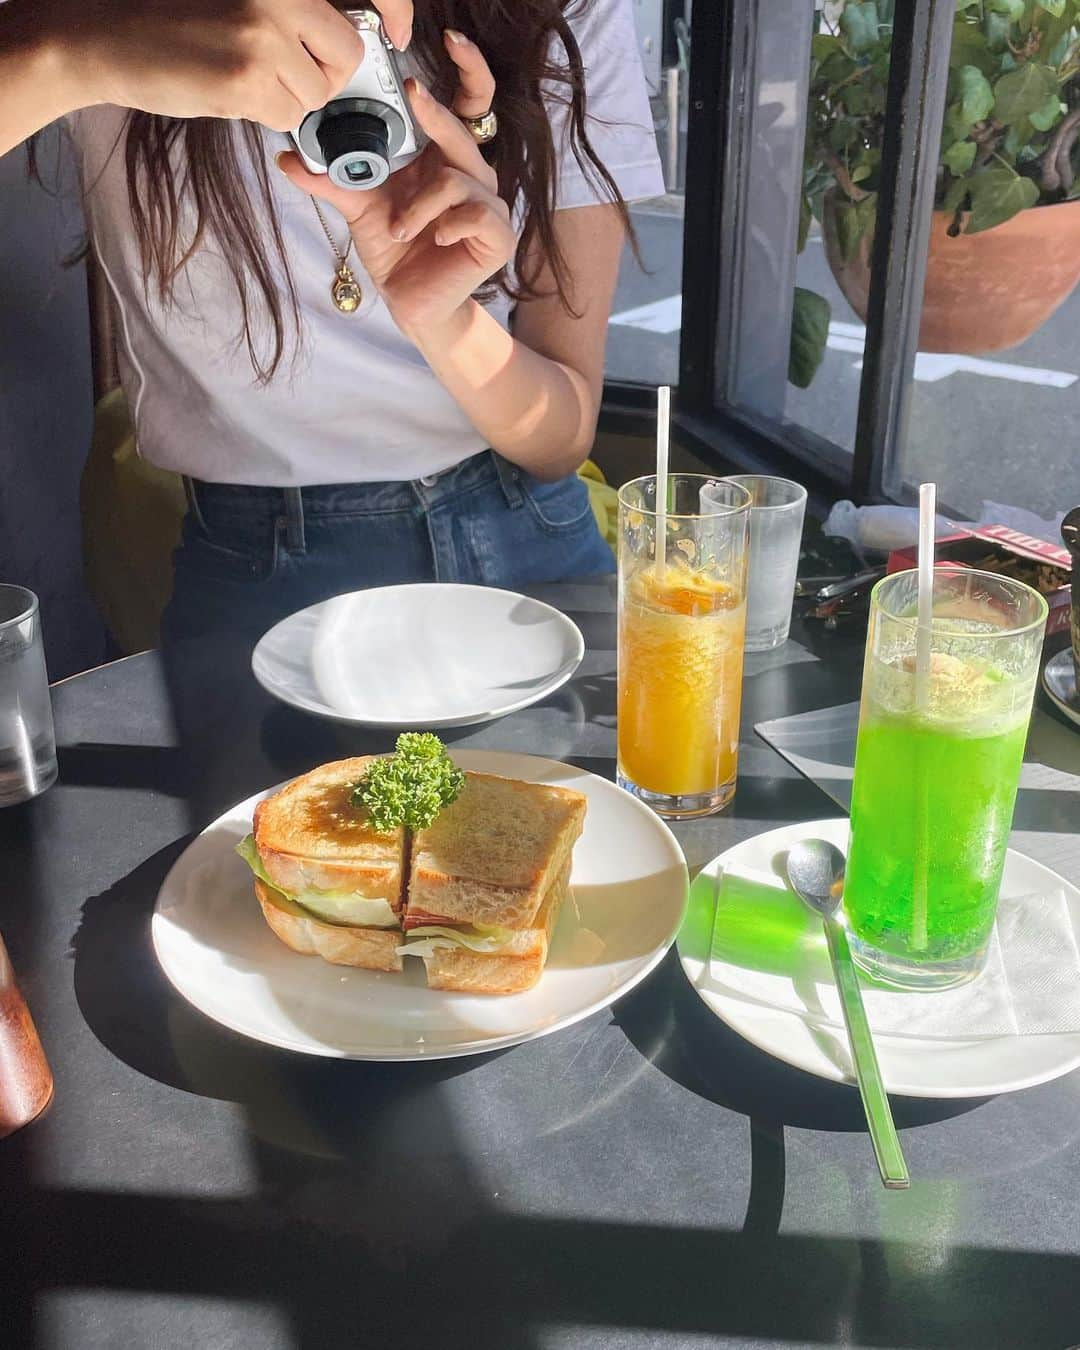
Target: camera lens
[(355, 147)]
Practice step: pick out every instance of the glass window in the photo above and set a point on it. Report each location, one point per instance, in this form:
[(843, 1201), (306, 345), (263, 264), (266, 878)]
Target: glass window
[(995, 403), (643, 339)]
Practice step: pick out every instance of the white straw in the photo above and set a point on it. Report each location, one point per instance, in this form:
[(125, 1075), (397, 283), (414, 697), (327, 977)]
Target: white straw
[(927, 535), (663, 429)]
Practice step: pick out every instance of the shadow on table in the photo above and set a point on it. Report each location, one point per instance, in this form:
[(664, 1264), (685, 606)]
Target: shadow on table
[(418, 1253), (369, 1219), (135, 1013), (670, 1025)]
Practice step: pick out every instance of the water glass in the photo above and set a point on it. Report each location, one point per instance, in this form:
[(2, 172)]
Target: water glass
[(682, 609), (27, 743), (776, 521)]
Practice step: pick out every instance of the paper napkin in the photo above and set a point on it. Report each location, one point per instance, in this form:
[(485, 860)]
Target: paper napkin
[(769, 949)]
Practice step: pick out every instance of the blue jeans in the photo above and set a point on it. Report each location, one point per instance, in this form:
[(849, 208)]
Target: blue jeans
[(249, 556)]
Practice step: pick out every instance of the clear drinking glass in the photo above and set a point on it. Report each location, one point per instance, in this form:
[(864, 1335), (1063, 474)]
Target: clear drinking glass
[(27, 743), (681, 621), (776, 522), (936, 773)]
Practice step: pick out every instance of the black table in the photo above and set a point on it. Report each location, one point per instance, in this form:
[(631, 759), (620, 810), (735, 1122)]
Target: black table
[(644, 1179)]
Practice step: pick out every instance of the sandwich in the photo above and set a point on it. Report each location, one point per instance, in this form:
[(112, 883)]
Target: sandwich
[(328, 882), (486, 882), (368, 860)]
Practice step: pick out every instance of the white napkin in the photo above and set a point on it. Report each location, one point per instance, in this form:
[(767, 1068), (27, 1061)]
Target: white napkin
[(1029, 987)]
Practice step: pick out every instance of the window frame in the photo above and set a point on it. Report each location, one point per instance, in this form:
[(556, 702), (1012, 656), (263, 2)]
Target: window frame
[(727, 39)]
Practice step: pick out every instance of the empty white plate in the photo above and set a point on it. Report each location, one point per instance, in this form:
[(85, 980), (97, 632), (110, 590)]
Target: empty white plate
[(1060, 682), (629, 895), (431, 655)]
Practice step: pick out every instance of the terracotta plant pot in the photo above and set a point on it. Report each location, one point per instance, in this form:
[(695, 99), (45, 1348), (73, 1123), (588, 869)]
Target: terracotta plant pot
[(984, 291)]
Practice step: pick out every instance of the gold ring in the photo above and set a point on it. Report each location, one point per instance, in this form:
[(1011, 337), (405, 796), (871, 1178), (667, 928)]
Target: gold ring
[(483, 128)]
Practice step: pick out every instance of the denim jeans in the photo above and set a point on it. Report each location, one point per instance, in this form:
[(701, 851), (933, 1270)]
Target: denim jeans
[(249, 556)]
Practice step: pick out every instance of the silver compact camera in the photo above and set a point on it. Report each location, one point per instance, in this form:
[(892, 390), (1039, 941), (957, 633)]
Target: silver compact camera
[(366, 133)]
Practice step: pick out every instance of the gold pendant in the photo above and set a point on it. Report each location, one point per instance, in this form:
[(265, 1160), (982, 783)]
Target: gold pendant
[(345, 290)]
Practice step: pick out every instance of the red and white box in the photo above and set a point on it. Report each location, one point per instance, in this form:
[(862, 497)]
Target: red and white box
[(997, 548)]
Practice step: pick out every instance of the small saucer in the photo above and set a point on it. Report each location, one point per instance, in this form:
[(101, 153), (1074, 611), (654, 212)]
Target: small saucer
[(1059, 681)]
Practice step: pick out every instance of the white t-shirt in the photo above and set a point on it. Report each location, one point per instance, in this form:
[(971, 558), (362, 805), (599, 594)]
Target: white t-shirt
[(358, 403)]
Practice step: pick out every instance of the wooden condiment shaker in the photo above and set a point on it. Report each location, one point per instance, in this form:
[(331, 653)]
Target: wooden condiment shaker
[(26, 1081)]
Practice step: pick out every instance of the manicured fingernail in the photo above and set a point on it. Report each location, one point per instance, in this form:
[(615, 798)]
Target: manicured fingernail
[(439, 238), (399, 233), (459, 39), (422, 91), (403, 43), (279, 157)]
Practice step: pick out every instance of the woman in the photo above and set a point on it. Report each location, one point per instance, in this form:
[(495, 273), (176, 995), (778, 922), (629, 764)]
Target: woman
[(429, 431)]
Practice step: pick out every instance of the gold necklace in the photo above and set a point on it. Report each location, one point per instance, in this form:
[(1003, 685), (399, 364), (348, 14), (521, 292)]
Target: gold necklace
[(344, 289)]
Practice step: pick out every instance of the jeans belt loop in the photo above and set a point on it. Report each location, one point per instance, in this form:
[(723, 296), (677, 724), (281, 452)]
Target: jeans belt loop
[(509, 481), (193, 503), (295, 537)]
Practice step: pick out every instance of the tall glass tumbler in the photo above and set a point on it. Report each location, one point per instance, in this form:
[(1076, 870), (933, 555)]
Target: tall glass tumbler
[(682, 612), (937, 766), (776, 523), (27, 742)]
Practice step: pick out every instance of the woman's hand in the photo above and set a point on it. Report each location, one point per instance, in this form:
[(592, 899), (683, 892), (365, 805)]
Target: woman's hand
[(437, 229), (270, 61)]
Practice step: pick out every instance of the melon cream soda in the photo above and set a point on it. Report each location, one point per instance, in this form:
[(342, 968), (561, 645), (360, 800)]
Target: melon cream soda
[(937, 767), (682, 620)]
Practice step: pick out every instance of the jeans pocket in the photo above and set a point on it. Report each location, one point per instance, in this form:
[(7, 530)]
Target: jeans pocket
[(559, 507), (210, 558)]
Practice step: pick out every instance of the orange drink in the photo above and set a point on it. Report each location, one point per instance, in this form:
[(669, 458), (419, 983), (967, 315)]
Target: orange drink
[(681, 627)]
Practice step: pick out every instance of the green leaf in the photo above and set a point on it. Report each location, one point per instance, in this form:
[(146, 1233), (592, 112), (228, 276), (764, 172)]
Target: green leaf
[(1012, 9), (1054, 7), (1016, 138), (853, 219), (1056, 30), (998, 194), (823, 45), (954, 198), (859, 24), (976, 95), (847, 229), (998, 29), (960, 157), (1048, 114), (843, 132), (969, 49), (810, 315), (806, 215), (1024, 91)]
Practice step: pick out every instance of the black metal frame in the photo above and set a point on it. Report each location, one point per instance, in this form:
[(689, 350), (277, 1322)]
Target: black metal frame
[(915, 111), (730, 436)]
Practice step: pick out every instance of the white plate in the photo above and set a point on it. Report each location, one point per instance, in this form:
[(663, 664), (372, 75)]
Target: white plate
[(630, 885), (439, 655), (1059, 681), (910, 1067)]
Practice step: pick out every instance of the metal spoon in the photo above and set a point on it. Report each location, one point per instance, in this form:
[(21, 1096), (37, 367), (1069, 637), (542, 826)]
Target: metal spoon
[(815, 869)]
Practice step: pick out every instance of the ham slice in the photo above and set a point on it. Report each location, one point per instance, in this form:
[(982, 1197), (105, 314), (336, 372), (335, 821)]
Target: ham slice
[(419, 918)]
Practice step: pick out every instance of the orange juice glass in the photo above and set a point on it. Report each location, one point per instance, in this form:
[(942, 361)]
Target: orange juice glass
[(682, 618)]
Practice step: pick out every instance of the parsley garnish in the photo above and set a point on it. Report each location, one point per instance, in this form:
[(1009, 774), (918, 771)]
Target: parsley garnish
[(411, 786)]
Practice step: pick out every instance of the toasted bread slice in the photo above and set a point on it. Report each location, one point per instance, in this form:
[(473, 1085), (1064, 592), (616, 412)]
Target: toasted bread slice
[(492, 855), (366, 948), (517, 967), (310, 836)]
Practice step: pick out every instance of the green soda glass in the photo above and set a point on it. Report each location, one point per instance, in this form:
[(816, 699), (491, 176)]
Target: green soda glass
[(937, 766)]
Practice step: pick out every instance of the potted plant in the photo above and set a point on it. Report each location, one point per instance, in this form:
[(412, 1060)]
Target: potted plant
[(1005, 239)]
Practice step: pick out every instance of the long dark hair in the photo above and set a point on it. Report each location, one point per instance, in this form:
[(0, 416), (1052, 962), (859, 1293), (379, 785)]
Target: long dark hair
[(516, 37)]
